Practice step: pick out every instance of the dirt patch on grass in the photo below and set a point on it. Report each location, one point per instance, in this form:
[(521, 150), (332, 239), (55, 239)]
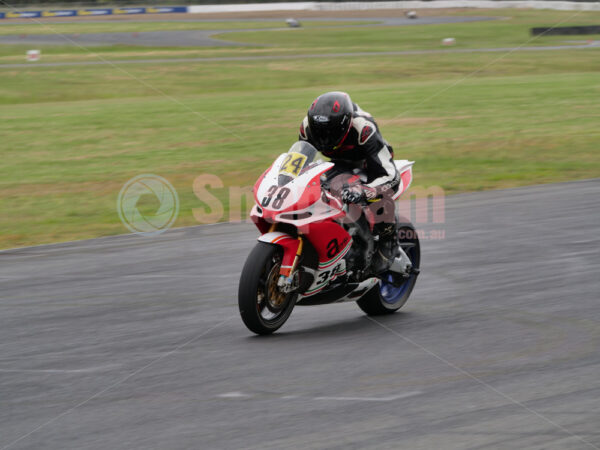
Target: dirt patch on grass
[(188, 144), (435, 121), (404, 121), (60, 188)]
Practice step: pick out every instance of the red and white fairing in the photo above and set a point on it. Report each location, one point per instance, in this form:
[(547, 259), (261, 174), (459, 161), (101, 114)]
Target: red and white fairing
[(305, 199), (302, 203)]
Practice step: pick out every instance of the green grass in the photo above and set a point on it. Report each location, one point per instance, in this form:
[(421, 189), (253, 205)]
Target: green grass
[(72, 136), (506, 32)]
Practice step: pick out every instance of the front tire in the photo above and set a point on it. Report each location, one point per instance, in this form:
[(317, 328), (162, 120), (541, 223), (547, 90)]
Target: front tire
[(263, 307), (387, 298)]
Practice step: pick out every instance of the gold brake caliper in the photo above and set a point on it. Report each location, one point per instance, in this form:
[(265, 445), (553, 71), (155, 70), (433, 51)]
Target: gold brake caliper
[(274, 294)]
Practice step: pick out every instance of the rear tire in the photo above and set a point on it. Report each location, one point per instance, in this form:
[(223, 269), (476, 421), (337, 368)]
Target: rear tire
[(263, 307), (387, 299)]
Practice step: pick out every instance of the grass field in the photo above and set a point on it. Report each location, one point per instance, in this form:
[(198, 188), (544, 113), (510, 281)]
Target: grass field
[(72, 136)]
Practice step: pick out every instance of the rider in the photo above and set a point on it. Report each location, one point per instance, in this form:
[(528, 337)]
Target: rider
[(342, 131)]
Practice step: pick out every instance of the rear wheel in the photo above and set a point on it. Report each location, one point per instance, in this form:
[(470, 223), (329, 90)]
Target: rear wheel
[(263, 307), (392, 292)]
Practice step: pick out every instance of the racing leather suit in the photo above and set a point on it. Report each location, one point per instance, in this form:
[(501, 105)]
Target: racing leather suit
[(365, 148)]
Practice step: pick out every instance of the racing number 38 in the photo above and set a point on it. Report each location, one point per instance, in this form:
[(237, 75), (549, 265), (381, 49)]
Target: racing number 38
[(282, 194), (290, 166)]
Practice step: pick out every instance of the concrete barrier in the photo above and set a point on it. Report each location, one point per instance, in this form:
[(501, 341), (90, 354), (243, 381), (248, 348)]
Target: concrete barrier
[(353, 6), (252, 7), (484, 4)]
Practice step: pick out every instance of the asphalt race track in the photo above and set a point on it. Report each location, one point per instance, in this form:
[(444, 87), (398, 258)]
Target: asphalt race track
[(136, 343), (201, 38), (182, 38)]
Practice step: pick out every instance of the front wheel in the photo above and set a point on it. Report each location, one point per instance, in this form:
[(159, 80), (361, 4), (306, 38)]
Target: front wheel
[(263, 307), (390, 295)]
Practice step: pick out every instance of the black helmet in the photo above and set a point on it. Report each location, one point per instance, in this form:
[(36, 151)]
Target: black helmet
[(329, 119)]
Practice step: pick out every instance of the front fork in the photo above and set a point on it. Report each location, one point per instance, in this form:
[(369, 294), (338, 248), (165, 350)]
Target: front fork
[(288, 277)]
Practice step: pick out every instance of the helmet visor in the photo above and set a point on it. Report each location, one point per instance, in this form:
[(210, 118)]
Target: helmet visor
[(325, 136)]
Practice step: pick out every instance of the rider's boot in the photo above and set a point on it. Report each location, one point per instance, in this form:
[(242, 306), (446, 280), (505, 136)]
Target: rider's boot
[(387, 246)]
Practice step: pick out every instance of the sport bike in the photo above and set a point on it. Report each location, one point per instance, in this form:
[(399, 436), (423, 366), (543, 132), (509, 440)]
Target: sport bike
[(316, 250)]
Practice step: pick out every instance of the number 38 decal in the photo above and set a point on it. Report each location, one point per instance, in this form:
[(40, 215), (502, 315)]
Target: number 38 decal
[(282, 194)]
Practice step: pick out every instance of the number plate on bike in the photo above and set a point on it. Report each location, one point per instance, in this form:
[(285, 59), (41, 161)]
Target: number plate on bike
[(292, 164)]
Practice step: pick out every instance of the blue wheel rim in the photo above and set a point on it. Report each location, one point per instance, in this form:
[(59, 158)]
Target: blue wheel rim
[(390, 293)]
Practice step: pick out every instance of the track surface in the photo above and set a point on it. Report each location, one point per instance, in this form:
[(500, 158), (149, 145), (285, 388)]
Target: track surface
[(199, 38), (136, 343)]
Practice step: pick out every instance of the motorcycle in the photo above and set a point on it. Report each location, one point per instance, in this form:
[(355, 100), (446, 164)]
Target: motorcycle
[(316, 250)]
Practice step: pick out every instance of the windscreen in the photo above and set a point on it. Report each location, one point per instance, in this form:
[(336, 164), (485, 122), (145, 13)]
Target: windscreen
[(299, 156)]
